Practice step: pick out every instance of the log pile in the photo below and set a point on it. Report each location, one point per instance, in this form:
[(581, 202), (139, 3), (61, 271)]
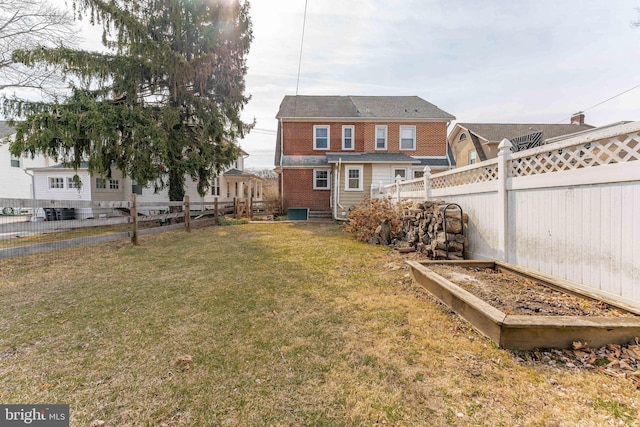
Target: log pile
[(438, 234)]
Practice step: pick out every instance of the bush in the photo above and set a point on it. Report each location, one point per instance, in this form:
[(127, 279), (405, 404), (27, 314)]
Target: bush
[(365, 218), (223, 220)]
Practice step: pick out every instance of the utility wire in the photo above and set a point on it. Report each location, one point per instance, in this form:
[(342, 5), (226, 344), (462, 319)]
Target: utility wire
[(304, 23), (602, 102)]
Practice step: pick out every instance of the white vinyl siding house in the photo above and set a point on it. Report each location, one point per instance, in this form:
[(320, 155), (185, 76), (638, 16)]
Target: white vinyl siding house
[(16, 181)]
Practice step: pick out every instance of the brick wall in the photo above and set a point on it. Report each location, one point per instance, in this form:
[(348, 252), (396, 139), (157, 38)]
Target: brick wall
[(431, 138), (299, 192)]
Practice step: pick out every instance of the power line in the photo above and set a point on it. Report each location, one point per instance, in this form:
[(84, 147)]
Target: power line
[(602, 102), (304, 23)]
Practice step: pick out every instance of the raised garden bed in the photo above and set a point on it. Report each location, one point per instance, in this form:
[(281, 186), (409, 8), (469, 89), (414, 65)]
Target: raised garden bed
[(521, 309)]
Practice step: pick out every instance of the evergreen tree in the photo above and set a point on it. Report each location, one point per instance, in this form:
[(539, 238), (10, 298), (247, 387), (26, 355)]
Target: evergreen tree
[(161, 102)]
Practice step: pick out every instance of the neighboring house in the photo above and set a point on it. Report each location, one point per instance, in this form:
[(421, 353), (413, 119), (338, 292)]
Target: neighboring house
[(57, 183), (332, 151), (474, 142), (17, 184)]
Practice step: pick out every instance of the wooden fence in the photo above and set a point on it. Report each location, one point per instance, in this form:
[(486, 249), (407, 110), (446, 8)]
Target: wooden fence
[(24, 218), (570, 208)]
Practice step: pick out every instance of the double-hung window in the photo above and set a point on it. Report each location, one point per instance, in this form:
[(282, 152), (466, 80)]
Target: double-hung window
[(321, 137), (136, 188), (353, 178), (215, 187), (348, 137), (381, 137), (15, 161), (407, 137), (473, 157), (56, 183), (101, 183), (114, 184), (320, 179), (73, 184)]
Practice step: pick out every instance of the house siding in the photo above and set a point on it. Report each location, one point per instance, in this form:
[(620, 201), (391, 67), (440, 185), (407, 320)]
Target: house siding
[(431, 138), (348, 199), (299, 191), (42, 190), (16, 184)]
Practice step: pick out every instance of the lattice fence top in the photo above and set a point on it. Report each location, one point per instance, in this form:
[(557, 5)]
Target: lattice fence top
[(464, 177), (618, 149)]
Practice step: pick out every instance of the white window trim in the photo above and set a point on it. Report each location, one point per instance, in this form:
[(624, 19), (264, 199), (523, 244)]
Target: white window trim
[(14, 159), (393, 171), (414, 138), (360, 180), (49, 178), (475, 157), (328, 187), (386, 137), (328, 128), (353, 139), (71, 185)]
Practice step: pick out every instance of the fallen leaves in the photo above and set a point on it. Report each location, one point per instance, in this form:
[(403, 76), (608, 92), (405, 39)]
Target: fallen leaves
[(184, 359), (619, 361)]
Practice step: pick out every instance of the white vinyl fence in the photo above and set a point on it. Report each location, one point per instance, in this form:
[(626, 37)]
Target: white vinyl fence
[(569, 209)]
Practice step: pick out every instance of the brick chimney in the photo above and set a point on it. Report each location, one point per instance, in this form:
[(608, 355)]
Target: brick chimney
[(577, 118)]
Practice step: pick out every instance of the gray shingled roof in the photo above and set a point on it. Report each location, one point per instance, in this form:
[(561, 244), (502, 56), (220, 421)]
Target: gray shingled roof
[(345, 107), (430, 161), (233, 172), (495, 132), (371, 158)]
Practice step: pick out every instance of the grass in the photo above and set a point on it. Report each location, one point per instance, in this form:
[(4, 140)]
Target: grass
[(267, 325)]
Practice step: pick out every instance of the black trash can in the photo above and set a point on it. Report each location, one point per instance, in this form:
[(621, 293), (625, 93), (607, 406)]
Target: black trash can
[(50, 214), (64, 214)]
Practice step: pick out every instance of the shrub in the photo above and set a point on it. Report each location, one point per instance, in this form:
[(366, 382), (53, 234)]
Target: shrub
[(365, 218), (223, 220)]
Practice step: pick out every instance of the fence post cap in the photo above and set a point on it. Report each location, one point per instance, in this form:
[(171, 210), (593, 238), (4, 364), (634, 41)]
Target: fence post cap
[(505, 145)]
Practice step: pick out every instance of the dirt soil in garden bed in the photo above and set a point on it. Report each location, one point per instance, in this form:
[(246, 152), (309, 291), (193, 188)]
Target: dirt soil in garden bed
[(513, 294)]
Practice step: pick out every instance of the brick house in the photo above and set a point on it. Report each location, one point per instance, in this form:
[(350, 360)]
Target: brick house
[(332, 151)]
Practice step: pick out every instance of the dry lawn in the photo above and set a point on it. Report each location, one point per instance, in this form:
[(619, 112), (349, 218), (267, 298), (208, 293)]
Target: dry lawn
[(267, 325)]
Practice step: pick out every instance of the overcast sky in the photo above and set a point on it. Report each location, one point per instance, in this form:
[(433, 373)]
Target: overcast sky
[(482, 61), (526, 61)]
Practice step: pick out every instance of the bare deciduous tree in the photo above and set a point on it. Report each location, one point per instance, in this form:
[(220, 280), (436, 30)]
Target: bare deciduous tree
[(27, 24)]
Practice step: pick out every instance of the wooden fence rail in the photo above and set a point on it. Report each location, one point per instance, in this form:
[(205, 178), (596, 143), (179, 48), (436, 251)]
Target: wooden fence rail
[(25, 217)]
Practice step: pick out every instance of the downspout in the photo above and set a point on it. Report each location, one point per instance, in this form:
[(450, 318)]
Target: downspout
[(336, 182), (337, 204), (33, 193), (281, 168)]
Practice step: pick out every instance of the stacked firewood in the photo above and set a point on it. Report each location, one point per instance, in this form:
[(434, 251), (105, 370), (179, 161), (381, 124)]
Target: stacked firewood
[(435, 230)]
